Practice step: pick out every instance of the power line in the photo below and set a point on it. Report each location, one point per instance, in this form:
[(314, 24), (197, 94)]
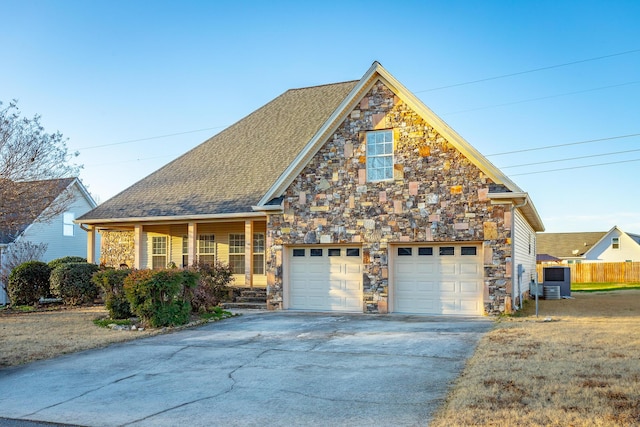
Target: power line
[(575, 167), (563, 145), (541, 98), (502, 76), (149, 138), (570, 158)]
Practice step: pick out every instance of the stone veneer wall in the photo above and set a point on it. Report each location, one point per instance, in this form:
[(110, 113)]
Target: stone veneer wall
[(116, 248), (436, 195)]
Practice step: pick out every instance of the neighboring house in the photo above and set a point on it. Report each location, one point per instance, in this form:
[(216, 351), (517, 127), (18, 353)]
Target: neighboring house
[(62, 236), (344, 197), (603, 246)]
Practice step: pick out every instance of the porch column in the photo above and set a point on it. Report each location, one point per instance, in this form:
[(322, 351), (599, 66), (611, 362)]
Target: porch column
[(137, 246), (248, 253), (91, 244), (192, 239)]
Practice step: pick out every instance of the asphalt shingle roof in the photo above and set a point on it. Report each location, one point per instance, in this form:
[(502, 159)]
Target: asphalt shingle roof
[(231, 171), (563, 245), (28, 199)]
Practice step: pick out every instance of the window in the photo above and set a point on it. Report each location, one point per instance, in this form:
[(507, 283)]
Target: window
[(185, 251), (353, 251), (447, 250), (236, 253), (615, 243), (334, 252), (316, 252), (206, 249), (158, 252), (469, 250), (67, 223), (258, 253), (379, 155), (425, 251), (298, 252), (404, 251)]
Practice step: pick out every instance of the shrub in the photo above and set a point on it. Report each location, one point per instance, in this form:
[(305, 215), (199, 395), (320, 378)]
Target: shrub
[(111, 282), (161, 298), (213, 286), (65, 260), (28, 282), (18, 253), (72, 282)]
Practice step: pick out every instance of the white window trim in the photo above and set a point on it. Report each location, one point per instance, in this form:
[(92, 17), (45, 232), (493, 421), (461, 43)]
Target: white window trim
[(68, 227), (615, 243), (391, 155)]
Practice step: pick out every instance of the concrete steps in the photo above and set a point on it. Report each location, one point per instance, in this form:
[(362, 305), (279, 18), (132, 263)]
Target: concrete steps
[(247, 298)]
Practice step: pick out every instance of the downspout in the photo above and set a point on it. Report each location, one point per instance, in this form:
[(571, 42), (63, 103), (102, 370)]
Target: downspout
[(514, 272)]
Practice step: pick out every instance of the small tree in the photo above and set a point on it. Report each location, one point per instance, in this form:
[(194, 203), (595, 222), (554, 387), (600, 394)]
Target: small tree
[(213, 285), (31, 161)]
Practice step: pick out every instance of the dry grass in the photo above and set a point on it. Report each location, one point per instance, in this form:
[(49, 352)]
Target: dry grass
[(26, 337), (579, 369)]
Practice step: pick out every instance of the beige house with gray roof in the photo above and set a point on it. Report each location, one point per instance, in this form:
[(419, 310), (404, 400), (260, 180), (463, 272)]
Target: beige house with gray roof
[(349, 197)]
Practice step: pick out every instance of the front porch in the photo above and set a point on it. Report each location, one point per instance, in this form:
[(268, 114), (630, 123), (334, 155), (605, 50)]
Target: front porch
[(239, 243)]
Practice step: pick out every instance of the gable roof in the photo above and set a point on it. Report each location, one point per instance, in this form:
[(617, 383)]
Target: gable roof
[(567, 245), (230, 172), (41, 195), (247, 167)]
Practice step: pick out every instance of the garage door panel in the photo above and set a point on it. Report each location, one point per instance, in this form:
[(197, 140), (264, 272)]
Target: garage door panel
[(325, 283), (438, 282)]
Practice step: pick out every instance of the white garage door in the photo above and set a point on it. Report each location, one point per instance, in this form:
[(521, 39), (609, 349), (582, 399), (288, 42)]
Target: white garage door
[(325, 278), (438, 279)]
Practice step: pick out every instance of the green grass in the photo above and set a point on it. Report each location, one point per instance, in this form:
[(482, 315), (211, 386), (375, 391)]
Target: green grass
[(216, 314), (104, 323), (599, 287)]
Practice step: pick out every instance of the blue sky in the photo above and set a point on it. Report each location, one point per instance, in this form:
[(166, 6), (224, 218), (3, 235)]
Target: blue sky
[(117, 77)]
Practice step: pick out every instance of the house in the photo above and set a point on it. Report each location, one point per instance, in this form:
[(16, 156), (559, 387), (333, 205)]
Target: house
[(56, 229), (602, 246), (348, 197)]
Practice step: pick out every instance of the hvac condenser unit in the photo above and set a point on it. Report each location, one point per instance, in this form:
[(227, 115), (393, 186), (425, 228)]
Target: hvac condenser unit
[(558, 276)]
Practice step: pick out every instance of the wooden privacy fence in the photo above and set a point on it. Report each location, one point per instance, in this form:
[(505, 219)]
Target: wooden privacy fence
[(599, 272)]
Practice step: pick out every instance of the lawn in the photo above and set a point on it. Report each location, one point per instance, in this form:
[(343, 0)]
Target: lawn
[(574, 365)]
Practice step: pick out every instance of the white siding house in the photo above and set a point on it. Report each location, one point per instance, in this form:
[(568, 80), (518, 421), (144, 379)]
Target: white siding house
[(615, 246), (62, 236)]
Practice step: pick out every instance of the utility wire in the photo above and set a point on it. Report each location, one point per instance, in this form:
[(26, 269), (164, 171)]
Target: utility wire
[(541, 98), (570, 158), (575, 167), (502, 76), (563, 145), (149, 138)]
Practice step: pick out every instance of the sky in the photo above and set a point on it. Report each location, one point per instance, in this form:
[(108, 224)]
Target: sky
[(135, 84)]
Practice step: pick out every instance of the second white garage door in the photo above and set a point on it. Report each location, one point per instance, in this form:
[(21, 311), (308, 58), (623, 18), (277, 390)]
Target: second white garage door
[(324, 278), (438, 279)]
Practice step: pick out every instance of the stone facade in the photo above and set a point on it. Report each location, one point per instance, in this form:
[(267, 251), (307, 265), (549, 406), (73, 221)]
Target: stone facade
[(436, 195), (117, 248)]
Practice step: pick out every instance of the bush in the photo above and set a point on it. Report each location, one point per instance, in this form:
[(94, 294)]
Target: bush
[(111, 282), (72, 282), (28, 282), (161, 298), (65, 260), (213, 286)]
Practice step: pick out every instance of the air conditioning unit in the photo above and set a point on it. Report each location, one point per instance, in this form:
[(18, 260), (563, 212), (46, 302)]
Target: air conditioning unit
[(558, 276)]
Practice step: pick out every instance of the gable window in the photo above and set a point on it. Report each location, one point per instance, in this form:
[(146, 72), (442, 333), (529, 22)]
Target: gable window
[(236, 253), (258, 253), (158, 252), (206, 249), (615, 243), (67, 224), (379, 155)]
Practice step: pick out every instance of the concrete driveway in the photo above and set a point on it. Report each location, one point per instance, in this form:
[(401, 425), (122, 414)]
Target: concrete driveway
[(270, 368)]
